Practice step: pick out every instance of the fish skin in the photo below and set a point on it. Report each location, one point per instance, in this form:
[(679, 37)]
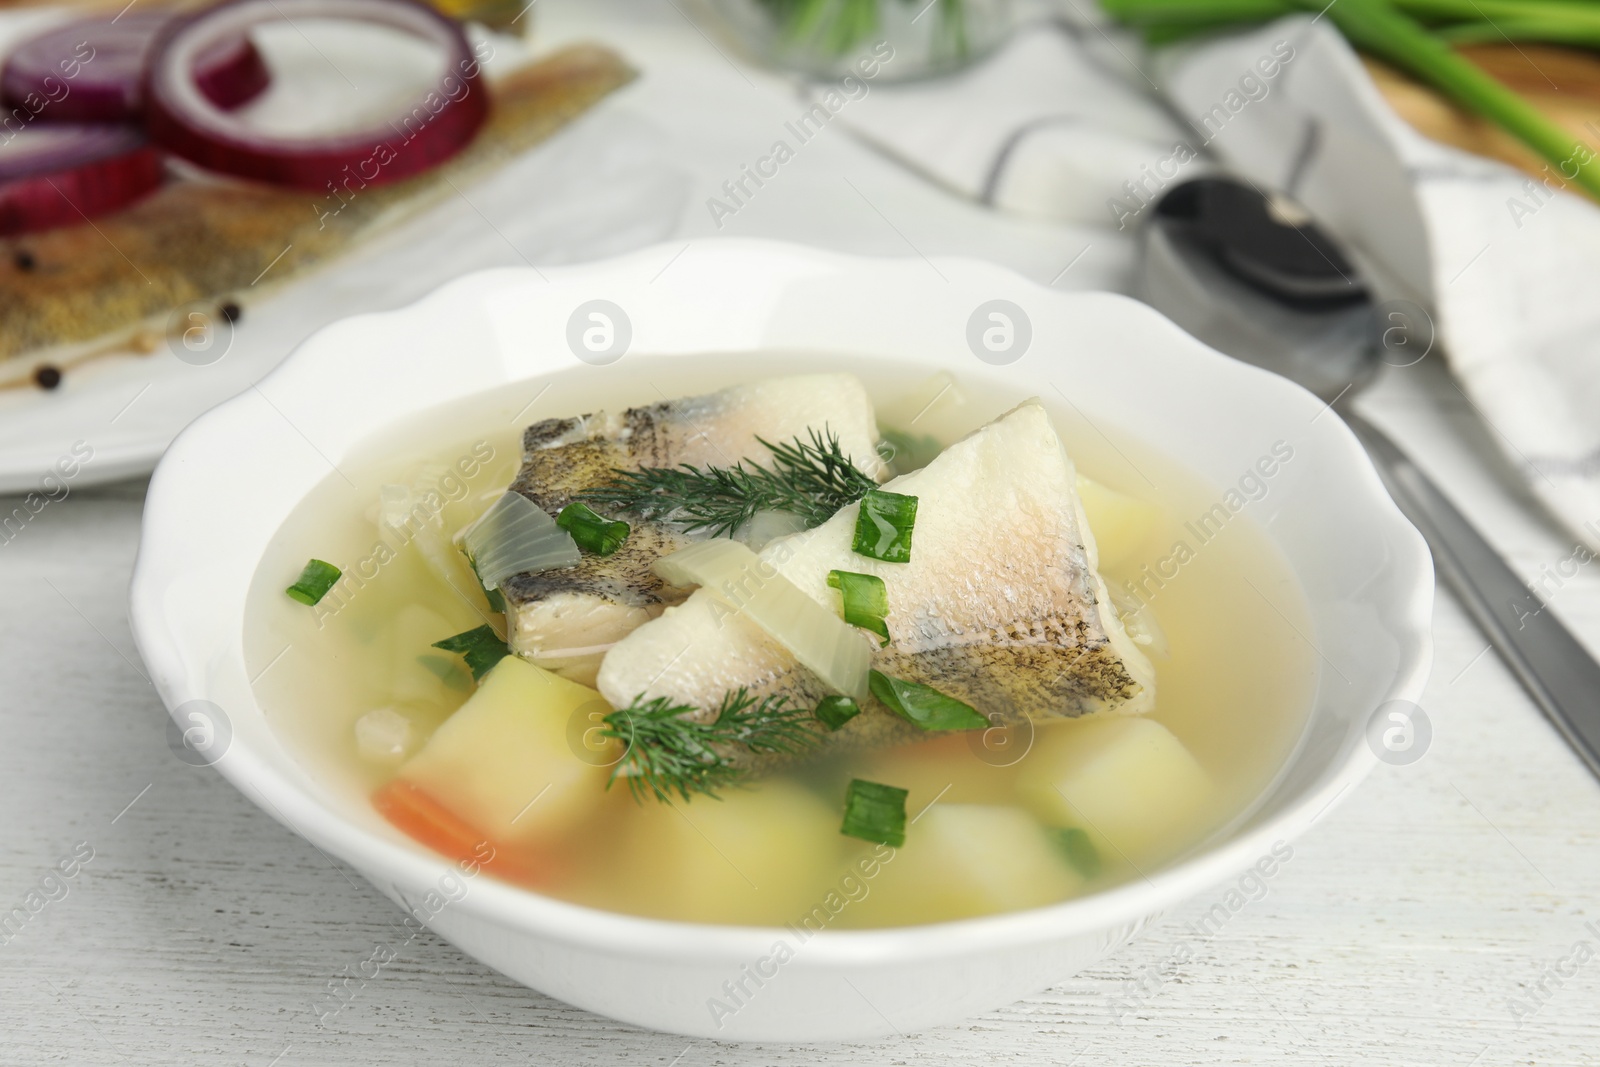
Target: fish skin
[(93, 289), (602, 599), (1011, 631)]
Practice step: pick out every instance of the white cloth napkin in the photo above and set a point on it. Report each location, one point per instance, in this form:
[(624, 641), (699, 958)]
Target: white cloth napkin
[(1074, 122), (1040, 129)]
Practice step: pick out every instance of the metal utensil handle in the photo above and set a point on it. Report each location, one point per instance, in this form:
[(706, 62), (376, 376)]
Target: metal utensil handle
[(1556, 669)]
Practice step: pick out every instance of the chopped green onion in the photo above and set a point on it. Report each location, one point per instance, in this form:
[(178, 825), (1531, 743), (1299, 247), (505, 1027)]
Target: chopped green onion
[(314, 583), (447, 669), (595, 534), (481, 648), (875, 812), (923, 705), (883, 526), (907, 452), (1080, 852), (497, 600), (834, 711), (866, 601)]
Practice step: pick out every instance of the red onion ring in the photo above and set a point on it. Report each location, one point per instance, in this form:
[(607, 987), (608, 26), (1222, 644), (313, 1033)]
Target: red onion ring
[(56, 175), (231, 74), (423, 134), (93, 71)]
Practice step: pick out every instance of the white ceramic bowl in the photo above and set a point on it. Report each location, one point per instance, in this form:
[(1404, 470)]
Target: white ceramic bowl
[(231, 478)]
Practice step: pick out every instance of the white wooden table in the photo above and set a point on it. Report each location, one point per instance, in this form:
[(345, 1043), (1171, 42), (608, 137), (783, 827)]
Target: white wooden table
[(1405, 930)]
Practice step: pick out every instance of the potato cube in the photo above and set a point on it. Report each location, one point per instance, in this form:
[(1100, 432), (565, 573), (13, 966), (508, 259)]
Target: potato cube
[(1126, 780), (512, 760), (1122, 525), (761, 855), (961, 860)]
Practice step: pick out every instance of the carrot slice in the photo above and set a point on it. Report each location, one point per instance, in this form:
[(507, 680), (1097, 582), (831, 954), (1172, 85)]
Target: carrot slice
[(422, 818)]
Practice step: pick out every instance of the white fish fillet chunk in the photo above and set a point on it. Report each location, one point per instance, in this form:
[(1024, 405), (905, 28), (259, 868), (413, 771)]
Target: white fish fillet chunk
[(1000, 605), (565, 620)]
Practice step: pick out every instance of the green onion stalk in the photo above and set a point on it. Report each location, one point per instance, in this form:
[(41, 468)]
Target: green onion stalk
[(1400, 32), (1548, 31), (838, 26)]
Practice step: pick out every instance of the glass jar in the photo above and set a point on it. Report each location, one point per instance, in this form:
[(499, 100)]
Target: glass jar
[(830, 38)]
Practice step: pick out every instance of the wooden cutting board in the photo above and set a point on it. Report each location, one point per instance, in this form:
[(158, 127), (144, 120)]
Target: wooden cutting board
[(1564, 83)]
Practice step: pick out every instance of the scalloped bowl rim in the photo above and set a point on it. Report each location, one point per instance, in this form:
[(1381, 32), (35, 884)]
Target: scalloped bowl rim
[(170, 655)]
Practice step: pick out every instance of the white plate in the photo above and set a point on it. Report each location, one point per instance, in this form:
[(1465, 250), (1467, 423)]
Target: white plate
[(230, 480), (592, 190)]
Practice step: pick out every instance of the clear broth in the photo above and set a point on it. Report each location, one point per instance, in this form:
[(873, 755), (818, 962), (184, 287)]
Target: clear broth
[(1234, 687)]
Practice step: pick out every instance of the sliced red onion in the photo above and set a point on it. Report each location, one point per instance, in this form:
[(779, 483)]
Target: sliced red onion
[(232, 74), (422, 133), (57, 175), (93, 71)]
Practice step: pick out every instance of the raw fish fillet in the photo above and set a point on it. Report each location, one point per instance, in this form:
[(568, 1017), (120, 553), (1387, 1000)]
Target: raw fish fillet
[(566, 620), (1001, 605), (73, 293)]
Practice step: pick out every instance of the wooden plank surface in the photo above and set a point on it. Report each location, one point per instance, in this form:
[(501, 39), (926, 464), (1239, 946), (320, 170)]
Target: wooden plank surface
[(202, 932)]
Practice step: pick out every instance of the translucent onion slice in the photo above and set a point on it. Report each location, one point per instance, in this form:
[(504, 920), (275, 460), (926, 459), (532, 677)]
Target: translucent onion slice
[(834, 650), (421, 133), (516, 537), (765, 527), (405, 514)]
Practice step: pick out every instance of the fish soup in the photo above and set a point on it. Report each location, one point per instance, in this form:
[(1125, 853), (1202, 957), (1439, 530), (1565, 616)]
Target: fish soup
[(804, 646)]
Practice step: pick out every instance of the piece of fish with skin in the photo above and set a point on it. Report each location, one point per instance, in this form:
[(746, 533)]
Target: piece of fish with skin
[(1000, 605), (565, 620), (79, 292)]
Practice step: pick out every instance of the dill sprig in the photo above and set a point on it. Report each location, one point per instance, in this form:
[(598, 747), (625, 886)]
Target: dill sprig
[(666, 753), (811, 479)]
